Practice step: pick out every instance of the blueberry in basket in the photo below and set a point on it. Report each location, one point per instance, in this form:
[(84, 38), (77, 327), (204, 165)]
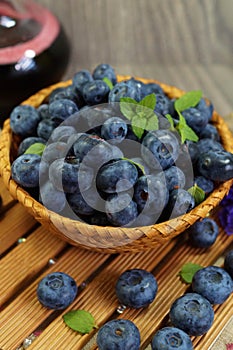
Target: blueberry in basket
[(144, 154)]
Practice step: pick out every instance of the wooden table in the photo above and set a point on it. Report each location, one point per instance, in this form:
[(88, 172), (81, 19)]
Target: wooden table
[(29, 252)]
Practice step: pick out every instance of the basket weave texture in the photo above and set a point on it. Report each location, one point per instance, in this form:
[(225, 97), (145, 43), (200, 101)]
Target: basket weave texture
[(99, 238)]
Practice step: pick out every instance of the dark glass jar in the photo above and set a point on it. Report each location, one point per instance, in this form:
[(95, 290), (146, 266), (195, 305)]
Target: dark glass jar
[(34, 51)]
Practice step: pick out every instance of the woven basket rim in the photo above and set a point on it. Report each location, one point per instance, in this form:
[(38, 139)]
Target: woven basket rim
[(148, 236)]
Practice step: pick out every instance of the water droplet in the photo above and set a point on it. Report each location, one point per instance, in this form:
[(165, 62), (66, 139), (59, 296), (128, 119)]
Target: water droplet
[(21, 240), (120, 309)]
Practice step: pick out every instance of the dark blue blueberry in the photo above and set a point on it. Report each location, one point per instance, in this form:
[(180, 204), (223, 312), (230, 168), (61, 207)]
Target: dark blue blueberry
[(68, 92), (97, 115), (95, 92), (206, 108), (205, 145), (151, 194), (209, 132), (116, 176), (192, 313), (175, 178), (25, 170), (52, 198), (192, 149), (123, 89), (228, 263), (171, 338), (62, 109), (121, 210), (213, 283), (216, 165), (196, 119), (136, 288), (54, 151), (45, 128), (205, 184), (57, 290), (180, 202), (62, 133), (24, 120), (151, 88), (80, 79), (160, 149), (27, 142), (104, 70), (114, 130), (83, 203), (203, 233), (141, 163), (162, 104), (43, 111), (118, 334)]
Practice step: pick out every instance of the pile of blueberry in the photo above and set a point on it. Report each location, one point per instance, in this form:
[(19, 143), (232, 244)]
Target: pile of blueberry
[(89, 164), (191, 314)]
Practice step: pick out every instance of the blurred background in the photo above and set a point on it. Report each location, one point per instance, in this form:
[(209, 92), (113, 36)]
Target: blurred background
[(179, 42)]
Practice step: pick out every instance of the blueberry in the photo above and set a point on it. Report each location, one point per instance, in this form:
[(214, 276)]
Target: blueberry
[(62, 133), (95, 92), (57, 290), (118, 334), (27, 142), (216, 165), (114, 130), (162, 104), (180, 202), (52, 198), (171, 338), (25, 170), (136, 288), (175, 178), (80, 79), (160, 149), (151, 194), (121, 210), (205, 184), (192, 313), (62, 109), (83, 203), (123, 89), (24, 120), (196, 119), (213, 283), (228, 263), (116, 176), (104, 70), (45, 128), (203, 233), (68, 92), (209, 132), (151, 88), (54, 150), (206, 108), (205, 145), (43, 111)]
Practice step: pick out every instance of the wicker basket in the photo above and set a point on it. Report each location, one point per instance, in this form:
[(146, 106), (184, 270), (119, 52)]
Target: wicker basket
[(107, 239)]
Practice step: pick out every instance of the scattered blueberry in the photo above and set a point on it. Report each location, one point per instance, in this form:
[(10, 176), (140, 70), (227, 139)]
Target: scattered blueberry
[(192, 313), (136, 288), (203, 234), (57, 290), (171, 338), (228, 263), (213, 283), (118, 334)]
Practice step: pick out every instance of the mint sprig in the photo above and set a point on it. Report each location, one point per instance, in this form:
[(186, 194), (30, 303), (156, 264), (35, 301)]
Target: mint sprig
[(36, 148), (141, 114), (80, 321), (188, 270)]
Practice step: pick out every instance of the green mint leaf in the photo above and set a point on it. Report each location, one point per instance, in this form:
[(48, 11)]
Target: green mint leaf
[(80, 321), (108, 82), (128, 107), (171, 121), (152, 122), (138, 125), (185, 131), (189, 99), (188, 270), (148, 101), (36, 148), (197, 193)]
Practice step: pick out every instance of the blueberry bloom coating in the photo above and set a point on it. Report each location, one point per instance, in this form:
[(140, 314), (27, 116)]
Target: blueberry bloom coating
[(136, 288), (25, 170), (203, 233), (81, 78), (105, 70), (180, 202), (195, 118), (60, 110), (192, 313), (228, 263), (57, 290), (118, 335), (114, 130), (120, 209), (214, 283), (171, 338), (95, 92), (24, 120)]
